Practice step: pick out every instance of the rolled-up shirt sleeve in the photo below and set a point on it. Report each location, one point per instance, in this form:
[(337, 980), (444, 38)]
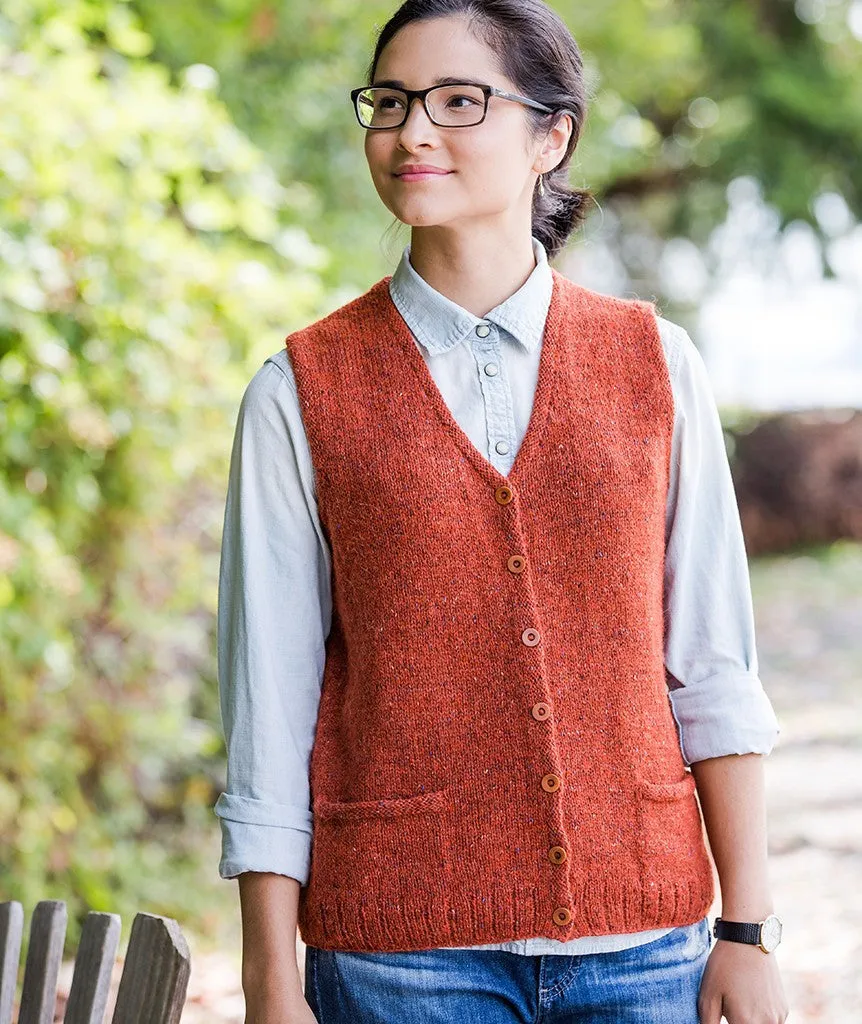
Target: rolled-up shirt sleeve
[(716, 695), (274, 609)]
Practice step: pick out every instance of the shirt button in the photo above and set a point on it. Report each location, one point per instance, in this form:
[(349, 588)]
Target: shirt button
[(530, 637), (483, 330), (517, 563), (557, 855), (551, 783), (503, 495), (502, 447), (541, 711), (491, 369), (562, 915)]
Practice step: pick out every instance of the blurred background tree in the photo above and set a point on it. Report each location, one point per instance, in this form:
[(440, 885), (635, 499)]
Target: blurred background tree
[(180, 186)]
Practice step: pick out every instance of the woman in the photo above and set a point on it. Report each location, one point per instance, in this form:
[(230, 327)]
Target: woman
[(484, 599)]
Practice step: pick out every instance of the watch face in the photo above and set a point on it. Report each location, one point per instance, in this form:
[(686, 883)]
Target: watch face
[(770, 933)]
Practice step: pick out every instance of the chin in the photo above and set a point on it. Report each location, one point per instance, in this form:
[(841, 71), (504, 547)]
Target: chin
[(417, 215), (418, 222)]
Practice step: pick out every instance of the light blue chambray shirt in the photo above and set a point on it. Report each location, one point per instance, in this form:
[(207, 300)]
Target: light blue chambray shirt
[(275, 606)]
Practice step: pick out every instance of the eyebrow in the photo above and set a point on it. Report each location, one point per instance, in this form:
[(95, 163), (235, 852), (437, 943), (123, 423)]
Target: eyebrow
[(396, 83)]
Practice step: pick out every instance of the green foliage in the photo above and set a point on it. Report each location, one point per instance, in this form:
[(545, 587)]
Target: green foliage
[(149, 260)]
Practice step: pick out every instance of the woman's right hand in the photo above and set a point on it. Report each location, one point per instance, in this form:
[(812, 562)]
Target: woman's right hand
[(284, 1007)]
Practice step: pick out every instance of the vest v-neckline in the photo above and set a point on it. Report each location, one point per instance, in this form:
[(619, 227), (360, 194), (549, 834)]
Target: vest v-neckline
[(541, 400)]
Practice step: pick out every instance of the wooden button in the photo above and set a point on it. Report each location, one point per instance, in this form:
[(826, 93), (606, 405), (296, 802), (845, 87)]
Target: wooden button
[(551, 783), (562, 915), (530, 637), (557, 854), (540, 711), (503, 495), (517, 563)]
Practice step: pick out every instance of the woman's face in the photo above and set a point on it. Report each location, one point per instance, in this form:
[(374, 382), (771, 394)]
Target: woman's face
[(489, 164)]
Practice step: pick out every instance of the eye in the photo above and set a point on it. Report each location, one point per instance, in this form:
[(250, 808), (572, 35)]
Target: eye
[(470, 100)]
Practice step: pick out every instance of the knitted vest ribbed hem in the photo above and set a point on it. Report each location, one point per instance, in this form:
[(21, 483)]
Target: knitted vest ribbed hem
[(420, 920)]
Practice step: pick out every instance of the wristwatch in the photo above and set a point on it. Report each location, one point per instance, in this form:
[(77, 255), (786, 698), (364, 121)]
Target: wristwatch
[(765, 933)]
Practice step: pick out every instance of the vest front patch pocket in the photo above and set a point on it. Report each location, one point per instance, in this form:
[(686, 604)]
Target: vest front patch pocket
[(375, 850), (670, 821)]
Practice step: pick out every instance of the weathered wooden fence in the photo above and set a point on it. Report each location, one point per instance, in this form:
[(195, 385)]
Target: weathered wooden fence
[(152, 985)]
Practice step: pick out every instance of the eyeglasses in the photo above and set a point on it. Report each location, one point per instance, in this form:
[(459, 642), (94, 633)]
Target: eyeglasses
[(448, 106)]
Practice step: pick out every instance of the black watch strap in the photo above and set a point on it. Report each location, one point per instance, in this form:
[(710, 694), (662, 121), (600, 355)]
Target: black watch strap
[(737, 931)]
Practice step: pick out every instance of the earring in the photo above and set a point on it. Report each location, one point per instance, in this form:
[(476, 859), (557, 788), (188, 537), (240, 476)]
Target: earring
[(541, 185)]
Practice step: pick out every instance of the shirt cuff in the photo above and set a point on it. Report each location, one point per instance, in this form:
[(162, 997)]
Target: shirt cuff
[(261, 836), (724, 714)]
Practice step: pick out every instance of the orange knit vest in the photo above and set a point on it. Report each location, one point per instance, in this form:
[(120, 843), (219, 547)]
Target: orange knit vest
[(495, 755)]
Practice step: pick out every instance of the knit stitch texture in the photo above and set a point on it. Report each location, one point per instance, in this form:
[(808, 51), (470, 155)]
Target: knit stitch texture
[(495, 755)]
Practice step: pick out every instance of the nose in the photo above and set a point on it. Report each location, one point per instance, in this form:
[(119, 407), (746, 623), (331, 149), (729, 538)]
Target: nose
[(424, 122)]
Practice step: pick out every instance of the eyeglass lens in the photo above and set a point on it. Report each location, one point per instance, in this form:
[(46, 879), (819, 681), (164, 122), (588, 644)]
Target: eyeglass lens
[(448, 105)]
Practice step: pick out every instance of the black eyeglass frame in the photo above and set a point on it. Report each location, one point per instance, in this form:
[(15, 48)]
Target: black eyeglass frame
[(411, 94)]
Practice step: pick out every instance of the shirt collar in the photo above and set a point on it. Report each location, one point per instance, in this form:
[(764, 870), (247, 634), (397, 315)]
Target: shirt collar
[(439, 324)]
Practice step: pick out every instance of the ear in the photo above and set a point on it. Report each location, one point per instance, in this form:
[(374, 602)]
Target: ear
[(556, 141)]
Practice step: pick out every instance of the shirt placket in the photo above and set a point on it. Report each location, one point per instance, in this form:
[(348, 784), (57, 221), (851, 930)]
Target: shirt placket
[(496, 396)]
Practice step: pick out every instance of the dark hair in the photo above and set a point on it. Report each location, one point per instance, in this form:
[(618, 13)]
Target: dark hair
[(535, 50)]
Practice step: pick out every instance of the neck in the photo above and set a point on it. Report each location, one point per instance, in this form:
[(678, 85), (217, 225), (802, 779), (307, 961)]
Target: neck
[(476, 271)]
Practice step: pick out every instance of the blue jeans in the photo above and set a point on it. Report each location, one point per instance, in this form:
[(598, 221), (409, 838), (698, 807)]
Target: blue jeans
[(654, 983)]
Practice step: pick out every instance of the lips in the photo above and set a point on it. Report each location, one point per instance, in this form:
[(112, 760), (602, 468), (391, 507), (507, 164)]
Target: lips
[(420, 169)]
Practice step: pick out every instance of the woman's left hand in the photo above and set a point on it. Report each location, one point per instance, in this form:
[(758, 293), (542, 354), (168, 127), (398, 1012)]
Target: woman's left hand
[(742, 983)]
